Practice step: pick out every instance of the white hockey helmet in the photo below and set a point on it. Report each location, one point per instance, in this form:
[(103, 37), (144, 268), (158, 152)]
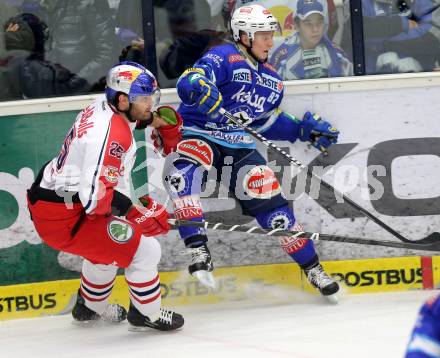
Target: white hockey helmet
[(251, 19)]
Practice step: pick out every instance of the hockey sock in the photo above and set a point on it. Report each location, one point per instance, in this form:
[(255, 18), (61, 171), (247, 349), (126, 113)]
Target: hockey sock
[(96, 285), (143, 278)]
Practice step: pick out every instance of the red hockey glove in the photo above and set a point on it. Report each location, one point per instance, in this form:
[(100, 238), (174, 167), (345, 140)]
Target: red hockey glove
[(152, 218), (165, 139)]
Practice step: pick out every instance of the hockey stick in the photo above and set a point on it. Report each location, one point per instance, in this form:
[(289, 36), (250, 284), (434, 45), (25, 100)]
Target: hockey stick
[(309, 235), (430, 239)]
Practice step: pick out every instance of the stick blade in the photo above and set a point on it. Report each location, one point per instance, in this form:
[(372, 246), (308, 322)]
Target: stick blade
[(431, 239)]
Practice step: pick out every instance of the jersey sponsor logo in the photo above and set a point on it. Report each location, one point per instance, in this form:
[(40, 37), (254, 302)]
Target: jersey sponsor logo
[(187, 207), (271, 82), (291, 244), (26, 303), (380, 277), (111, 174), (242, 75), (198, 150), (308, 62), (215, 58), (260, 183), (235, 58), (251, 98), (119, 231), (231, 138)]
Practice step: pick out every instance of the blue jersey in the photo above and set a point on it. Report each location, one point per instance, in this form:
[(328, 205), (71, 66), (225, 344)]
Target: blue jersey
[(252, 90), (425, 338)]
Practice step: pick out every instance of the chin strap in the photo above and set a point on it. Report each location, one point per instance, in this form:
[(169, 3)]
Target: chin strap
[(249, 52)]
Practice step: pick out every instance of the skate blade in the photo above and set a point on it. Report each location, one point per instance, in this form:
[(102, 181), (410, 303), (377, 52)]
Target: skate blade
[(333, 299), (138, 329), (205, 278), (87, 324)]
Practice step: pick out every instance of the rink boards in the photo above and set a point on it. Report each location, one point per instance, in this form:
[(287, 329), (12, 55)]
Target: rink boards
[(234, 284)]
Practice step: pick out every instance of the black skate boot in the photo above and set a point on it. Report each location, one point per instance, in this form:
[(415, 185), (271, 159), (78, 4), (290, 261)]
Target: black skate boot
[(201, 266), (165, 321), (323, 282), (113, 313)]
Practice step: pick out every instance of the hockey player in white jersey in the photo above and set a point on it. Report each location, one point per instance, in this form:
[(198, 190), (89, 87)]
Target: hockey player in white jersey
[(80, 202)]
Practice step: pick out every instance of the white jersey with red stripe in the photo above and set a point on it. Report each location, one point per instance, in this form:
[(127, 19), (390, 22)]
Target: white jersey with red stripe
[(96, 158)]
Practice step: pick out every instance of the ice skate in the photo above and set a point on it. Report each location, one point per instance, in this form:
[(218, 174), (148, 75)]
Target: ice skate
[(323, 282), (201, 267), (165, 320), (84, 316)]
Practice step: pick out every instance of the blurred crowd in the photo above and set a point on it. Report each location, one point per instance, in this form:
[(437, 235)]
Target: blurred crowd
[(60, 47)]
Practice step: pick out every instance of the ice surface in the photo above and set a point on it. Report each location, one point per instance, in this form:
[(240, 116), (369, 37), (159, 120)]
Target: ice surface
[(296, 326)]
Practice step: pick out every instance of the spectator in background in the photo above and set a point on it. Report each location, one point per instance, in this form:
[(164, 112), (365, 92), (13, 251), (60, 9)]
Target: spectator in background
[(29, 75), (405, 32), (188, 25), (184, 51), (308, 53), (425, 337), (82, 39), (6, 11), (285, 12)]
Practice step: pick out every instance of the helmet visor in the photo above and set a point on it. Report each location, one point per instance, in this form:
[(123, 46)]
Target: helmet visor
[(150, 101)]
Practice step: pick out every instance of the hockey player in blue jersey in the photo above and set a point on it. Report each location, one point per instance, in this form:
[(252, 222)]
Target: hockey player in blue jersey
[(425, 337), (237, 77)]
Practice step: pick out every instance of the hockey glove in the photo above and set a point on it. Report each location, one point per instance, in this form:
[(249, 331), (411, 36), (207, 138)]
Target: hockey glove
[(152, 217), (318, 132), (195, 89), (165, 139)]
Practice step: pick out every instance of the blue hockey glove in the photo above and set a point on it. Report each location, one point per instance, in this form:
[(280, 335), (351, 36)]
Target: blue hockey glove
[(195, 89), (210, 100), (318, 132)]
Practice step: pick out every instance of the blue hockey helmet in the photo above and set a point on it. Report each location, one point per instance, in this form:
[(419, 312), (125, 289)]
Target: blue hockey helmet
[(134, 80)]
